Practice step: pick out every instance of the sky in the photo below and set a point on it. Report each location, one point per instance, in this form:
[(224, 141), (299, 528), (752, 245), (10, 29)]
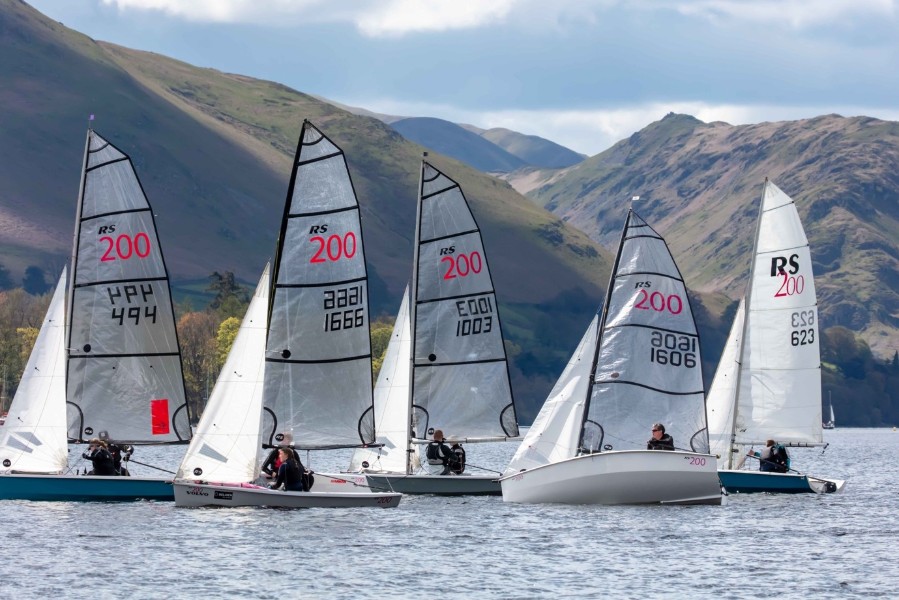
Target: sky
[(582, 73)]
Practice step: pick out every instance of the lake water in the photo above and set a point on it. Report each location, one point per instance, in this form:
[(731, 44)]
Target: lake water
[(756, 546)]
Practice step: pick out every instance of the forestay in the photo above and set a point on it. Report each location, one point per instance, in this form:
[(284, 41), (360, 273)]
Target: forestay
[(124, 363), (318, 355), (33, 439), (779, 394), (648, 366), (227, 441), (460, 379)]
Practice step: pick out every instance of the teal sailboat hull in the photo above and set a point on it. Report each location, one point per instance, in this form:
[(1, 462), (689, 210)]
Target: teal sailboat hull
[(84, 488), (753, 482)]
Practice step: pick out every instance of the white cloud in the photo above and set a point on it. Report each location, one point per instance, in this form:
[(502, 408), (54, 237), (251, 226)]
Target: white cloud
[(398, 17), (378, 18), (592, 131), (372, 17), (798, 14)]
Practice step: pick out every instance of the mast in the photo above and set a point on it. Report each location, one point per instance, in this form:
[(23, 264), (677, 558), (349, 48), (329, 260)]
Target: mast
[(413, 305), (747, 307), (76, 236), (601, 326)]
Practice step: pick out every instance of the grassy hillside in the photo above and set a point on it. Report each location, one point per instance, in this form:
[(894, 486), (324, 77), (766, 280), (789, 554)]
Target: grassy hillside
[(213, 152), (700, 185)]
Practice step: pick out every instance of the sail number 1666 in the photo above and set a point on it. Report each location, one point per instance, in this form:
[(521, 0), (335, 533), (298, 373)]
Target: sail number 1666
[(344, 300), (672, 349)]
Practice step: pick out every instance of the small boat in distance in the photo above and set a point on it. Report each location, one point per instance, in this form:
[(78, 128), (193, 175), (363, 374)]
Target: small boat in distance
[(832, 422), (637, 364), (768, 382)]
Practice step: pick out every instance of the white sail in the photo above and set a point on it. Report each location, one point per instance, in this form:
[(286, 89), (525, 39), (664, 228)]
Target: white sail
[(460, 377), (228, 437), (318, 381), (722, 396), (33, 438), (392, 417), (648, 366), (124, 363), (779, 394), (556, 431)]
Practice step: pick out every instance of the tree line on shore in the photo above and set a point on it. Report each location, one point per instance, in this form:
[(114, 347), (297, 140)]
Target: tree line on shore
[(863, 388)]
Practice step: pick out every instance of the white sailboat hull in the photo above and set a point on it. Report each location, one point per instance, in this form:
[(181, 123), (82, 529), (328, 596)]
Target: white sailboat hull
[(206, 494), (440, 485), (624, 477)]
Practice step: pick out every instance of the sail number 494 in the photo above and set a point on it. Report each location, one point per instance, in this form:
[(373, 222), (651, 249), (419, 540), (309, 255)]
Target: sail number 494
[(673, 349)]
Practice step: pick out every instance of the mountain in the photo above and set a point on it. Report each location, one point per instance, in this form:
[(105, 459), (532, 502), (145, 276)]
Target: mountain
[(456, 141), (700, 185), (213, 153), (532, 149)]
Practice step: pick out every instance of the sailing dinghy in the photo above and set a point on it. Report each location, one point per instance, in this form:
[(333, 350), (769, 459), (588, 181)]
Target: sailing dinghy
[(638, 363), (121, 376), (768, 381), (831, 423), (301, 364), (446, 365)]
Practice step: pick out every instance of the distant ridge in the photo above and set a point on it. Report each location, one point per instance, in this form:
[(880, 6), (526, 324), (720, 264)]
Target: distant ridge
[(455, 141)]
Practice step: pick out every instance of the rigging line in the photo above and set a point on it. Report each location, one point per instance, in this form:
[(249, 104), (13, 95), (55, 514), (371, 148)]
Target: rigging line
[(151, 466), (788, 468), (468, 464), (342, 480)]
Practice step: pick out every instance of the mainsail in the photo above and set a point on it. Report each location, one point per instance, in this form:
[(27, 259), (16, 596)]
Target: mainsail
[(318, 381), (778, 393), (637, 364), (226, 443), (34, 436), (124, 364), (460, 377)]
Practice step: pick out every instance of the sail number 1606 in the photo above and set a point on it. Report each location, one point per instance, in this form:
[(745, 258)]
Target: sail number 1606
[(672, 349)]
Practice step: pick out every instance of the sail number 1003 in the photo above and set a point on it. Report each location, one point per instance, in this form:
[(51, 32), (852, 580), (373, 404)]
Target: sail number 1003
[(673, 349), (349, 311)]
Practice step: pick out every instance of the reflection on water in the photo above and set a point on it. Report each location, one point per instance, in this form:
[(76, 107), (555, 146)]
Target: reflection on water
[(757, 546)]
